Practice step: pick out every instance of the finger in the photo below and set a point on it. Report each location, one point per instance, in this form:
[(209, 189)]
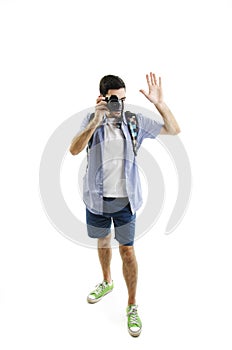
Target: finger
[(148, 80), (100, 98), (154, 78), (101, 103), (160, 82), (101, 108)]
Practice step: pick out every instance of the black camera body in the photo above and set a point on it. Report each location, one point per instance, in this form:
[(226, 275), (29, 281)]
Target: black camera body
[(114, 104)]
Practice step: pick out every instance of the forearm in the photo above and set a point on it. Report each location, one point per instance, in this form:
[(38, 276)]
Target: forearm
[(170, 124), (81, 140)]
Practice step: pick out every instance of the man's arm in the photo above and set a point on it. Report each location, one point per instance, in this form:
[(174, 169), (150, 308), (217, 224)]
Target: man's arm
[(155, 96), (80, 141), (170, 126)]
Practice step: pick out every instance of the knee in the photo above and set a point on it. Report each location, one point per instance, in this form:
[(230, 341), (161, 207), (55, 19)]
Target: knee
[(127, 253), (104, 242)]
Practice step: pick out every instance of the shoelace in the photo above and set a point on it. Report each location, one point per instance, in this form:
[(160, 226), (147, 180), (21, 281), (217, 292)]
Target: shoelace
[(133, 313), (99, 288)]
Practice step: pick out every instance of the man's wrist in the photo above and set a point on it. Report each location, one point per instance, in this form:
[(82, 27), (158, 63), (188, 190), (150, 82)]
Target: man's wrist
[(160, 105)]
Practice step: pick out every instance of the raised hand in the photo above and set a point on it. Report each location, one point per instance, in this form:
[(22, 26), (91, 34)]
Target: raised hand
[(155, 93)]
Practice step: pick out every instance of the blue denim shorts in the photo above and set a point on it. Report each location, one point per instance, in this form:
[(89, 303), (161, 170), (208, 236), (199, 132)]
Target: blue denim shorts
[(117, 210)]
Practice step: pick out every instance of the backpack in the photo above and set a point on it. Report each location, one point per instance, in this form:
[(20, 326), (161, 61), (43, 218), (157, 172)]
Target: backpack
[(133, 127)]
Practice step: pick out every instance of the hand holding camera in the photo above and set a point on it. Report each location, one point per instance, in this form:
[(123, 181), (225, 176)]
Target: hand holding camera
[(108, 106), (101, 109)]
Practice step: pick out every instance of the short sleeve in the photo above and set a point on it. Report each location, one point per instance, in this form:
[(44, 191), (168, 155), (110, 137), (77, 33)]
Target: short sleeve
[(148, 128), (85, 122)]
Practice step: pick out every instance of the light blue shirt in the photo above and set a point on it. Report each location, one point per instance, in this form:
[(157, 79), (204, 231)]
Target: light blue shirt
[(93, 179)]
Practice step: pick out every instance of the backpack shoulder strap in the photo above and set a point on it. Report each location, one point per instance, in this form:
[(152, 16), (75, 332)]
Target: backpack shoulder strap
[(132, 123)]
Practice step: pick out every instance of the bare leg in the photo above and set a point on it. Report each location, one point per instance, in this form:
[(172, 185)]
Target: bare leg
[(130, 271), (105, 255)]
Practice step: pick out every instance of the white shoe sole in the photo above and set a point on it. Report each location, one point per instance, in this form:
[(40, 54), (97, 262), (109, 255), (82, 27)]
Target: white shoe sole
[(93, 301), (135, 334)]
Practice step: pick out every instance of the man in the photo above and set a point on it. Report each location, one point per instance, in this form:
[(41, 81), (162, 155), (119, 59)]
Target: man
[(112, 188)]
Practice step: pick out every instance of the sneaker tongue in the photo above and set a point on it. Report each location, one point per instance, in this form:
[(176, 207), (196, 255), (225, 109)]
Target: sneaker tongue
[(132, 308)]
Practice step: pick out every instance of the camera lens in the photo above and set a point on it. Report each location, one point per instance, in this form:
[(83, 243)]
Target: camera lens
[(114, 104)]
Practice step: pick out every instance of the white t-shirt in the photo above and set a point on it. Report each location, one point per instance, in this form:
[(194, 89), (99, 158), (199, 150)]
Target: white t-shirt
[(113, 161)]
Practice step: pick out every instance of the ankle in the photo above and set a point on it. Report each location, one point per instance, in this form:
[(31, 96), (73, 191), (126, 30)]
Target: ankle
[(108, 280)]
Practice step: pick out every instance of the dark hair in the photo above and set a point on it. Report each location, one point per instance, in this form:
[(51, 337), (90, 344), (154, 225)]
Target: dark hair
[(110, 82)]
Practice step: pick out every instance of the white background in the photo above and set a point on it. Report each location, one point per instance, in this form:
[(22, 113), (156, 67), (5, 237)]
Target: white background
[(53, 54)]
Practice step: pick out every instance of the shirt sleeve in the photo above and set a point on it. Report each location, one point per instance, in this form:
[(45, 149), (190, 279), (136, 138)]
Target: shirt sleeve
[(84, 123), (148, 128)]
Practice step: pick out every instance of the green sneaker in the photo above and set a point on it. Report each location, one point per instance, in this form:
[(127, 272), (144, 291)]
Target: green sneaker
[(134, 323), (100, 291)]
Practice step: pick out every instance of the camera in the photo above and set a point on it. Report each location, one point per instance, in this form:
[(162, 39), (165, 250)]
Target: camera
[(114, 104)]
